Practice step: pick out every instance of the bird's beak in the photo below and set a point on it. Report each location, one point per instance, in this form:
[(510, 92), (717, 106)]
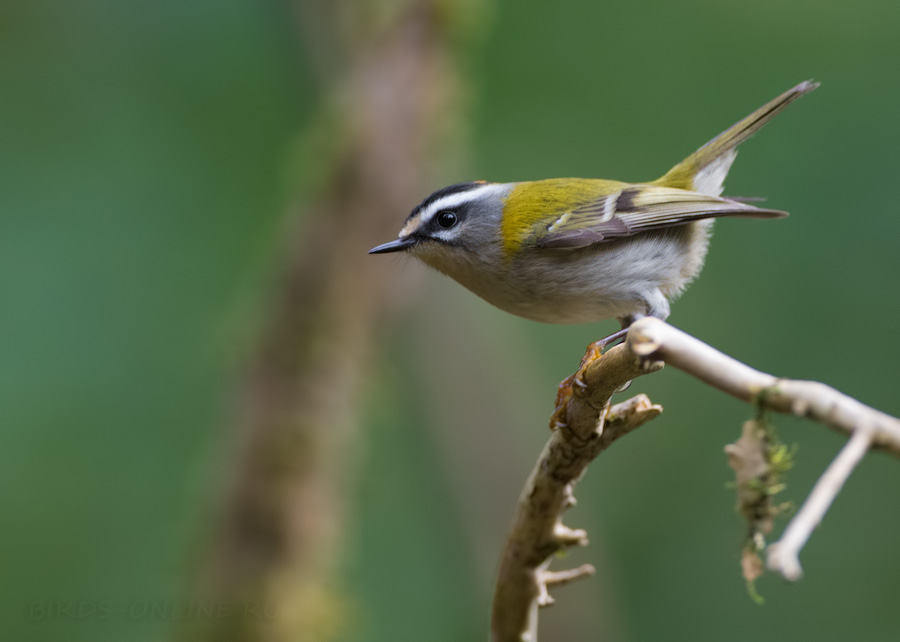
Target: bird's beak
[(393, 246)]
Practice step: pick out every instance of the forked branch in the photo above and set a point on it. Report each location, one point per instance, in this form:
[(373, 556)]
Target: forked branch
[(585, 425)]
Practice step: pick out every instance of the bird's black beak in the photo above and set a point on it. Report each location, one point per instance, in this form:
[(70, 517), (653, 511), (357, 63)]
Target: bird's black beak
[(393, 246)]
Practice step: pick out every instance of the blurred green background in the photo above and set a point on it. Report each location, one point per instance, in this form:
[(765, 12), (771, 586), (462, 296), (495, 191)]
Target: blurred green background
[(146, 151)]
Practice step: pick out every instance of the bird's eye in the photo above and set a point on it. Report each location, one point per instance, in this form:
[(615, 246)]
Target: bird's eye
[(447, 219)]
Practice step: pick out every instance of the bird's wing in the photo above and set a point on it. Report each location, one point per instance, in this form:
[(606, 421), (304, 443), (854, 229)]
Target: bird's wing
[(639, 208)]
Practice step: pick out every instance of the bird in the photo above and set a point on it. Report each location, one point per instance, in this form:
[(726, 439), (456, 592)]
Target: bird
[(580, 250)]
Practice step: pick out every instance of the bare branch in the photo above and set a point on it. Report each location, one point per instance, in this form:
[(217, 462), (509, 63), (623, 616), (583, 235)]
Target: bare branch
[(654, 339), (585, 425), (783, 554)]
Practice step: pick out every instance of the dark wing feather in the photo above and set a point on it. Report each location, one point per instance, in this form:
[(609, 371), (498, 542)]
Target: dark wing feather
[(640, 208)]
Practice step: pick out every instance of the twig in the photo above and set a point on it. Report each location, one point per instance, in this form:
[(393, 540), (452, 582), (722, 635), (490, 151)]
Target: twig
[(546, 579), (557, 578), (783, 554)]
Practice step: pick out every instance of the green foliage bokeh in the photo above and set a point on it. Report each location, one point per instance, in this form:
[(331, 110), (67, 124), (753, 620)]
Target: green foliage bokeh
[(145, 148)]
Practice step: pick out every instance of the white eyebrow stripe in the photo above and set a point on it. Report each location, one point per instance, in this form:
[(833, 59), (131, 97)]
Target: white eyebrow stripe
[(455, 200)]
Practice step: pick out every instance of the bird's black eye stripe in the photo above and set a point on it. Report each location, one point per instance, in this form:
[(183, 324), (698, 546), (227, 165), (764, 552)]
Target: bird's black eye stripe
[(446, 219)]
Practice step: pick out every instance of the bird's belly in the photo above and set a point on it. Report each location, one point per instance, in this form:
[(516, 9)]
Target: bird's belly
[(555, 302), (605, 281)]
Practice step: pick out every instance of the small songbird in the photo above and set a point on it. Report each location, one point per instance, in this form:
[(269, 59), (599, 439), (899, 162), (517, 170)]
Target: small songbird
[(575, 250)]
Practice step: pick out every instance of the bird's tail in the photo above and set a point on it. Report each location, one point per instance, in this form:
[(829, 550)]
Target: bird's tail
[(705, 170)]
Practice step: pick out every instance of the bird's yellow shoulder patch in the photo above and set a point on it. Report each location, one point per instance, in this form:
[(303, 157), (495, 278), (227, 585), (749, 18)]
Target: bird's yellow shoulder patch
[(534, 207)]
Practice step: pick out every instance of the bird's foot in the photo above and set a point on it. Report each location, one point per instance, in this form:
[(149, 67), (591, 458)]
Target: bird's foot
[(607, 342), (566, 389), (611, 340)]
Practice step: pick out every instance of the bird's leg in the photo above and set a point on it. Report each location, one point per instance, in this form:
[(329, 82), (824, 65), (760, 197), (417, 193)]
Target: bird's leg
[(615, 337), (594, 351), (612, 339)]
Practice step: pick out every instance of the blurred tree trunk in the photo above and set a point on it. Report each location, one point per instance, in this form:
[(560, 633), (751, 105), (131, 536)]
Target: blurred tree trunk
[(390, 87)]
